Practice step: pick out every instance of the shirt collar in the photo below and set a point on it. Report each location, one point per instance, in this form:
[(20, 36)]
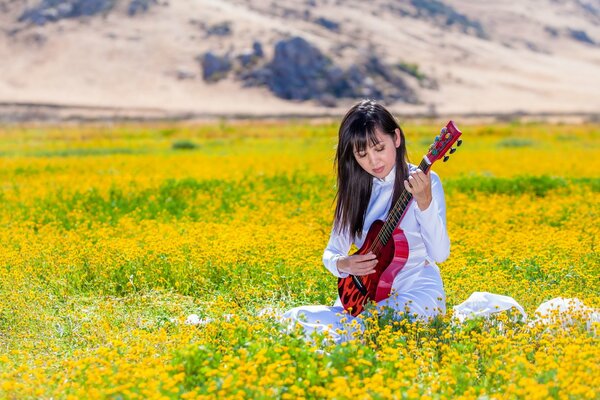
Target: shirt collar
[(389, 178)]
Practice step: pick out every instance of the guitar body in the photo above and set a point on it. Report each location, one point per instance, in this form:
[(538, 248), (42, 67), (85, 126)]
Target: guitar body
[(378, 285)]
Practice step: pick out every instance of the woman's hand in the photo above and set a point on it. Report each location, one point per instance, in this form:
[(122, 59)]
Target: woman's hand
[(358, 264), (419, 185)]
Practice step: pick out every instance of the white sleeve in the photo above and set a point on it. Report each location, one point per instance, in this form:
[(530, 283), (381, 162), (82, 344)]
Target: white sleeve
[(433, 223), (338, 246)]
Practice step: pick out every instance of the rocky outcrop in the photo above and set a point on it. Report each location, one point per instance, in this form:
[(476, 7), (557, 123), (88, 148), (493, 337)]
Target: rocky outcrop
[(54, 10), (439, 13), (299, 71), (251, 57), (580, 36), (214, 67), (139, 6), (221, 29), (328, 24)]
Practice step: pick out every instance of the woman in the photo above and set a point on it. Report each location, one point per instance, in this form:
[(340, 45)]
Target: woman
[(372, 172)]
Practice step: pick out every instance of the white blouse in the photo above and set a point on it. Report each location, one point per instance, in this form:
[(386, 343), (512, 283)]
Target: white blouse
[(425, 231)]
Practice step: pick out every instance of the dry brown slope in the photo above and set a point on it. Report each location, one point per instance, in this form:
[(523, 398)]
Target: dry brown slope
[(120, 61)]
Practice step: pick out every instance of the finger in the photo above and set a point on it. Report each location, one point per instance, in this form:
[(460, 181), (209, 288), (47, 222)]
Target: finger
[(365, 257), (422, 182), (423, 177), (370, 254), (407, 187), (361, 272), (364, 271), (366, 266), (415, 185), (412, 182), (420, 177)]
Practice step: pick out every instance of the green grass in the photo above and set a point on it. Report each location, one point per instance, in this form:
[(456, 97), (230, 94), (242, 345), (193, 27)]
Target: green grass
[(534, 185)]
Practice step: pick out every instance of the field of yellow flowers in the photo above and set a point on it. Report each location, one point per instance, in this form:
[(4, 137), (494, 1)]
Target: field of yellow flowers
[(112, 235)]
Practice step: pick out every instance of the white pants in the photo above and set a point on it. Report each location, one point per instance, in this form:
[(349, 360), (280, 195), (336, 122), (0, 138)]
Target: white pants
[(418, 291)]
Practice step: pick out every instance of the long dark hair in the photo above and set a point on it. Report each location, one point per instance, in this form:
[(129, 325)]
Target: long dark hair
[(354, 184)]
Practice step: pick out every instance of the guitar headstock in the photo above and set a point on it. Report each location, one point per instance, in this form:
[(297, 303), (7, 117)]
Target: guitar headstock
[(447, 137)]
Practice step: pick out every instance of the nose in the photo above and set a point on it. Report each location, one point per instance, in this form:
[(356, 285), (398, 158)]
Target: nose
[(372, 158)]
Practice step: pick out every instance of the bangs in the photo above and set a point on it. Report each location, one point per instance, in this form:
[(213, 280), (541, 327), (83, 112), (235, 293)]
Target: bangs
[(362, 134)]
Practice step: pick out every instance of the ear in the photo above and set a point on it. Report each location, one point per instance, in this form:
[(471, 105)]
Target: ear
[(397, 138)]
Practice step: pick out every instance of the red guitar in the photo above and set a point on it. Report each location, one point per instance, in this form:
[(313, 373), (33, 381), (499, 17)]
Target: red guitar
[(356, 291)]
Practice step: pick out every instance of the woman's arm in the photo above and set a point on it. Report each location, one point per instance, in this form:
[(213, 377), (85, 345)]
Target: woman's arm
[(337, 247), (433, 222), (340, 264)]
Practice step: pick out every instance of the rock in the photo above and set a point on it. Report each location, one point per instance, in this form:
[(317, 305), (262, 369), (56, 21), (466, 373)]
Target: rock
[(580, 36), (183, 74), (553, 32), (257, 49), (246, 59), (251, 57), (65, 9), (91, 7), (139, 6), (299, 71), (222, 29), (54, 10), (214, 68), (328, 24), (378, 80), (327, 100), (444, 14), (36, 39)]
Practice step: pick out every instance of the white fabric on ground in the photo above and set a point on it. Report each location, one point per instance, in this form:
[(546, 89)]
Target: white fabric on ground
[(420, 293), (484, 304)]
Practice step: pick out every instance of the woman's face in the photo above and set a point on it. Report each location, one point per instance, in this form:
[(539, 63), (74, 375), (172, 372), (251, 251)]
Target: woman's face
[(379, 159)]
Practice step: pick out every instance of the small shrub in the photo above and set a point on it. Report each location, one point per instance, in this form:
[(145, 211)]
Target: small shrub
[(184, 145)]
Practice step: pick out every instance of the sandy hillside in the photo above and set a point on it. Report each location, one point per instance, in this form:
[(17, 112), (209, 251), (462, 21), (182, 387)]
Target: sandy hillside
[(517, 56)]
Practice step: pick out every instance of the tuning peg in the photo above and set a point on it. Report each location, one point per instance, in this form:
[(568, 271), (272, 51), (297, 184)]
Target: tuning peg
[(444, 130), (452, 150), (446, 158), (459, 142)]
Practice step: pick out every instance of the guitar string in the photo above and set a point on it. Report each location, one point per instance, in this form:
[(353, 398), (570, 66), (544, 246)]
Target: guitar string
[(385, 231), (387, 228)]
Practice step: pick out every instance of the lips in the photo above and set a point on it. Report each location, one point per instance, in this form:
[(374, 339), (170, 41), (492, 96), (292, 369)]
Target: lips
[(379, 170)]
